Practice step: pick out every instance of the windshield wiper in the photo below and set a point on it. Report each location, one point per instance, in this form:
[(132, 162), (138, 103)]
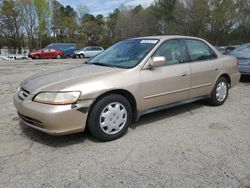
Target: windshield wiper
[(109, 65), (98, 63)]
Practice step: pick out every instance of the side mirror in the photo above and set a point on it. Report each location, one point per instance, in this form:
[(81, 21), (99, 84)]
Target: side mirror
[(158, 61)]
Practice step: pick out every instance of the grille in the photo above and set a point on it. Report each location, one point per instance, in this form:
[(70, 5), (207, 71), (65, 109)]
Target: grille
[(23, 94), (31, 121)]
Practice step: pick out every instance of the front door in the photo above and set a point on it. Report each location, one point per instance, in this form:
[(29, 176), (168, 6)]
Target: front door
[(169, 83), (45, 53)]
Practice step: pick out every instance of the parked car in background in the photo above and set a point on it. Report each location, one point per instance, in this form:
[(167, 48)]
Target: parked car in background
[(88, 52), (67, 48), (17, 57), (47, 53), (4, 58), (130, 79), (226, 49), (243, 55)]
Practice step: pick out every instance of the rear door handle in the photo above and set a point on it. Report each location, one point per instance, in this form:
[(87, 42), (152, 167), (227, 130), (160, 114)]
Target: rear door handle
[(184, 74)]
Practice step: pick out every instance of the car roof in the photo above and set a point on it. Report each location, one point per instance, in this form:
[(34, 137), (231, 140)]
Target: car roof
[(164, 37), (93, 47)]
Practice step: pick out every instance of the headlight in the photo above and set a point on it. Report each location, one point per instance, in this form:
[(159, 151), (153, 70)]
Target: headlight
[(59, 98)]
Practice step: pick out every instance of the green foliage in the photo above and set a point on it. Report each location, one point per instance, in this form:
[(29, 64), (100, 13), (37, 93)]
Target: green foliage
[(9, 24), (43, 15)]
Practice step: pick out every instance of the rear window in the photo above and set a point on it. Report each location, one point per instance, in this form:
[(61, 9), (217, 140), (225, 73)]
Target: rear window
[(96, 48), (62, 46)]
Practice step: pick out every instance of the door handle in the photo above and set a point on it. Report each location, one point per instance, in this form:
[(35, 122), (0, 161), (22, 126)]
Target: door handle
[(184, 74)]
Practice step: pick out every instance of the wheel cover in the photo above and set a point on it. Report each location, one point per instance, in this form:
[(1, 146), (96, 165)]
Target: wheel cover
[(221, 91), (113, 118)]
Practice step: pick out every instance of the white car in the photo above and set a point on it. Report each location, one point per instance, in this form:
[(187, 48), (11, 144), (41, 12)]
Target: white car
[(4, 58), (89, 51)]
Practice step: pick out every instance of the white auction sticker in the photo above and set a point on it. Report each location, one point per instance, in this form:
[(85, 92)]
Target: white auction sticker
[(149, 41)]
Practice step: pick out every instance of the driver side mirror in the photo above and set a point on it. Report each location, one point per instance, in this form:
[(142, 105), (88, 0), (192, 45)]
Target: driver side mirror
[(157, 61)]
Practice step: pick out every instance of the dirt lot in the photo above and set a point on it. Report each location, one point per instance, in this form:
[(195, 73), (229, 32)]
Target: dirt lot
[(189, 146)]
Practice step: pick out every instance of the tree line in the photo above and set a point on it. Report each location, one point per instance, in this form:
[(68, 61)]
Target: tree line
[(35, 23)]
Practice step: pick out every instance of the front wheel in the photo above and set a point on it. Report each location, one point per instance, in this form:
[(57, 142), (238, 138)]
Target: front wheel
[(37, 57), (58, 56), (110, 117), (220, 92)]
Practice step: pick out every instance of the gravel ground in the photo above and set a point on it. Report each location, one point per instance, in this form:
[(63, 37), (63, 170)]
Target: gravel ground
[(189, 146)]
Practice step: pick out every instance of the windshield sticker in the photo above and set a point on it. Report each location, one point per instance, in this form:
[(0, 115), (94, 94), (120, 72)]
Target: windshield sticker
[(149, 41)]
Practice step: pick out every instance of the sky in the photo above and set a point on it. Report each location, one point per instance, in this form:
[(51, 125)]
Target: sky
[(104, 6)]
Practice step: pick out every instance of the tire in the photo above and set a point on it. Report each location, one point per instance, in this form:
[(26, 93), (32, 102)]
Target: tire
[(81, 56), (217, 99), (110, 117), (37, 57), (58, 56)]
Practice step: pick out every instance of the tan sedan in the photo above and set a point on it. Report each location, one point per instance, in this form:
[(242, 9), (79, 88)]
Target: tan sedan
[(132, 78)]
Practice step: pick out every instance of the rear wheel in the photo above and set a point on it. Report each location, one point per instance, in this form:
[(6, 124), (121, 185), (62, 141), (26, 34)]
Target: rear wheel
[(220, 92), (110, 117), (58, 56)]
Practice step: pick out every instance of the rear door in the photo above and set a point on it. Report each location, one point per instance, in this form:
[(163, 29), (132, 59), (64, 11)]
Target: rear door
[(205, 67), (52, 53), (169, 83), (96, 50)]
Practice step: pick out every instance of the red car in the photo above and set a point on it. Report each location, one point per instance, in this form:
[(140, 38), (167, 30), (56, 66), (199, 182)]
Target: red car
[(47, 53)]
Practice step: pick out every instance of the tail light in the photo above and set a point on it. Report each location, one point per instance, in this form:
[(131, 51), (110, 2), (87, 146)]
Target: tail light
[(238, 63)]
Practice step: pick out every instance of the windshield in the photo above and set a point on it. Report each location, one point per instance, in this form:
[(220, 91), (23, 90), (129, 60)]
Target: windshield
[(125, 54)]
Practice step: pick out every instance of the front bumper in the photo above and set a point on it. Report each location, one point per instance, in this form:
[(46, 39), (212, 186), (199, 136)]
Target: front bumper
[(53, 119)]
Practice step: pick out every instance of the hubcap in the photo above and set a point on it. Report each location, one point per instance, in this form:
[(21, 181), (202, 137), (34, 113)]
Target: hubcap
[(221, 91), (113, 118)]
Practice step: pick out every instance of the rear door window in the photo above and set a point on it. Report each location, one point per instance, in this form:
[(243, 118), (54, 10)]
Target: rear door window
[(199, 51)]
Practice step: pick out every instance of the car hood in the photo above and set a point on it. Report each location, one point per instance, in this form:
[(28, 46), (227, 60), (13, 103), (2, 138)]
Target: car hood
[(52, 79)]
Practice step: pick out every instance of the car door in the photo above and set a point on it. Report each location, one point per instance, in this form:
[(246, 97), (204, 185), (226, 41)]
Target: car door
[(87, 52), (52, 53), (96, 51), (45, 53), (169, 83), (205, 67)]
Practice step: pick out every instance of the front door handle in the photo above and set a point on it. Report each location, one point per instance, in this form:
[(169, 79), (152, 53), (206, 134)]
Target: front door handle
[(184, 74)]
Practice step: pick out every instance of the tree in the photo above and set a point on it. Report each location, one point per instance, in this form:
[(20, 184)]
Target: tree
[(10, 25), (136, 22), (164, 11), (28, 19), (221, 19), (191, 17), (43, 15), (93, 27)]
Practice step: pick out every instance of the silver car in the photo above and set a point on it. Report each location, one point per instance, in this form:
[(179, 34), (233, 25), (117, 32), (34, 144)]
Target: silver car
[(243, 55), (88, 52)]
